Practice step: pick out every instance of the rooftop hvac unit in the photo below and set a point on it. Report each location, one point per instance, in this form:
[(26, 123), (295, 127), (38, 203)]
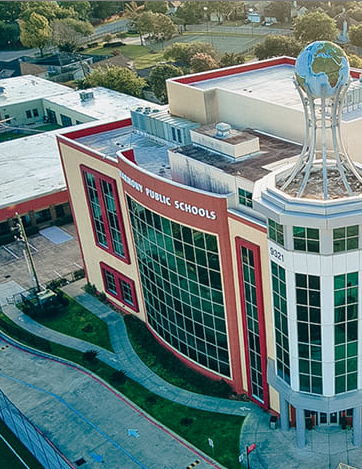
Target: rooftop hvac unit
[(85, 95)]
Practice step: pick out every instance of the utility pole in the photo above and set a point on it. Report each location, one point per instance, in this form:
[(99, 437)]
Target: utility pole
[(21, 236)]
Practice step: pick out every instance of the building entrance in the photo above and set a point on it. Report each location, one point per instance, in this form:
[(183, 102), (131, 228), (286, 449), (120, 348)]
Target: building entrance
[(328, 419)]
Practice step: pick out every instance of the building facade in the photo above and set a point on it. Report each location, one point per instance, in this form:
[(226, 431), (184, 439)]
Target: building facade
[(189, 219)]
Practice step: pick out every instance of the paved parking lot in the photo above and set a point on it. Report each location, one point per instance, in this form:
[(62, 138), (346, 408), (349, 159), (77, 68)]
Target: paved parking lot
[(51, 260)]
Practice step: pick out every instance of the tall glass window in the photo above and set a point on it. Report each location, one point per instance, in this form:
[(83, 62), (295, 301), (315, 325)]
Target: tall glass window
[(345, 331), (281, 321), (251, 311), (181, 281), (276, 232), (112, 217), (306, 239), (105, 212), (309, 333), (345, 238)]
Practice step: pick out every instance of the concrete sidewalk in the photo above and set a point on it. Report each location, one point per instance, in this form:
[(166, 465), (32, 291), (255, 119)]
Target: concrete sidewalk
[(326, 446)]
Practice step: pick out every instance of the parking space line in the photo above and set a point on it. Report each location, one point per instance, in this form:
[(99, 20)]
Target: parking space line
[(10, 252)]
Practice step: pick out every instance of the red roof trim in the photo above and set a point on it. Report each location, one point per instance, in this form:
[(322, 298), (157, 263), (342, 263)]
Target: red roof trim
[(235, 70), (98, 129)]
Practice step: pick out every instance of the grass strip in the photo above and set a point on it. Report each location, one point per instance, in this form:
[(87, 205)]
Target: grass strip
[(167, 366), (76, 321), (194, 425)]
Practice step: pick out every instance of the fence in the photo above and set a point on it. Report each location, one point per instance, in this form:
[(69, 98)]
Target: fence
[(32, 438), (341, 465)]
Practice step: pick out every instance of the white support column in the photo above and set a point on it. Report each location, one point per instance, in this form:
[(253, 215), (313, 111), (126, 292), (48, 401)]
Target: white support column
[(300, 420), (357, 426), (284, 413)]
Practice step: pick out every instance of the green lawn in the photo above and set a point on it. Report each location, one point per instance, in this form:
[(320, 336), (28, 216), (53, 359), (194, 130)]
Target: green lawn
[(194, 425), (7, 457), (141, 55), (76, 321)]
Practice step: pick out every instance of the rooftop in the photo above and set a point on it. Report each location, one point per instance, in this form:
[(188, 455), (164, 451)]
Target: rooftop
[(30, 166), (252, 167), (274, 84), (29, 88), (106, 103)]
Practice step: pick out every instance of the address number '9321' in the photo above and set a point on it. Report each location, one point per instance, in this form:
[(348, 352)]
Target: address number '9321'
[(277, 254)]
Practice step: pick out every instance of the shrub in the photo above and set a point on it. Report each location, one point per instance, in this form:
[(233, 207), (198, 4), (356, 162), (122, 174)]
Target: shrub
[(102, 297), (119, 378), (186, 421), (90, 288), (90, 356), (78, 274)]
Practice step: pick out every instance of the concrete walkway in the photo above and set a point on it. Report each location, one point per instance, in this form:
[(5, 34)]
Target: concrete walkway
[(326, 446)]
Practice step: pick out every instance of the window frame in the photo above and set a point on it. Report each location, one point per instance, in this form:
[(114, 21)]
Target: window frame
[(98, 177), (306, 238), (345, 239), (279, 232), (245, 197), (118, 276)]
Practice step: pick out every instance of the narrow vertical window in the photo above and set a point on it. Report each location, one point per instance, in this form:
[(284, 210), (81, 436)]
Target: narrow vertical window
[(346, 331), (309, 333), (105, 213), (281, 321), (250, 287)]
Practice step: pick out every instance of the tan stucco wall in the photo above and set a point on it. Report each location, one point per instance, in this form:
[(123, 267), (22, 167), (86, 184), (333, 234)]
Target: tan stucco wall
[(93, 255), (192, 103), (255, 236)]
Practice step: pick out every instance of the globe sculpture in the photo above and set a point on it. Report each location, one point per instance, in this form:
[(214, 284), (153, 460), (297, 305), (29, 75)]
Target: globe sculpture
[(321, 68), (322, 79)]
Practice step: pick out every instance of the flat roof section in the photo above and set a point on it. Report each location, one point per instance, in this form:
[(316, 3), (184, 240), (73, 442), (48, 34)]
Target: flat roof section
[(28, 88), (148, 153), (273, 84), (105, 103), (254, 167), (30, 167)]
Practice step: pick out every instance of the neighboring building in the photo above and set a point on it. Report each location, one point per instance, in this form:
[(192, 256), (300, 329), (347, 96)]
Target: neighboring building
[(32, 180), (237, 245)]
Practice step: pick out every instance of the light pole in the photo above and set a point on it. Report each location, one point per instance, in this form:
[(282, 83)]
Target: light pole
[(207, 26), (21, 236)]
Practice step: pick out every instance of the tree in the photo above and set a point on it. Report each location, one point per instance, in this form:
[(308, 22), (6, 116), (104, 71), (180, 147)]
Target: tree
[(103, 10), (182, 52), (224, 9), (200, 62), (67, 32), (10, 11), (156, 7), (82, 9), (314, 26), (354, 61), (163, 26), (50, 10), (9, 34), (157, 79), (274, 46), (115, 78), (355, 35), (35, 32), (280, 10), (190, 12), (231, 58)]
